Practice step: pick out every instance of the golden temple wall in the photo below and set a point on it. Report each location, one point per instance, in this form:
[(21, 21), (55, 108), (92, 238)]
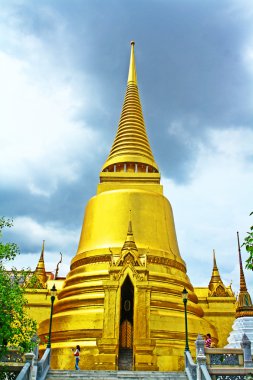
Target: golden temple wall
[(220, 311)]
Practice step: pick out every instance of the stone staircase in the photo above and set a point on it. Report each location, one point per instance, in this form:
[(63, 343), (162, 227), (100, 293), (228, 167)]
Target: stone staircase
[(125, 360), (114, 375)]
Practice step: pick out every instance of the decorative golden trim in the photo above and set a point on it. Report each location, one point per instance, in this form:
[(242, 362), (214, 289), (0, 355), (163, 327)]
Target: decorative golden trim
[(91, 260), (150, 260), (243, 313), (167, 262)]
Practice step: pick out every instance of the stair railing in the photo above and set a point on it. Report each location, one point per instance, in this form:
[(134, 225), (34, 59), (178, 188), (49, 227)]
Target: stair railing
[(197, 371), (202, 370), (44, 365), (190, 366), (204, 374), (26, 372)]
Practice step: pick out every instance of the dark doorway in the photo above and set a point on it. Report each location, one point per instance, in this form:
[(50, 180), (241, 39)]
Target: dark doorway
[(126, 326)]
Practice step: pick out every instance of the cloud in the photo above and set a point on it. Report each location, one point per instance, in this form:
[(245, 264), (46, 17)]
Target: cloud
[(41, 143), (63, 70), (247, 56), (215, 203), (55, 235), (45, 143)]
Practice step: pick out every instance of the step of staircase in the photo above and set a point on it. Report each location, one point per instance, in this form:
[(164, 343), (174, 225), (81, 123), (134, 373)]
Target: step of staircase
[(125, 360), (114, 375)]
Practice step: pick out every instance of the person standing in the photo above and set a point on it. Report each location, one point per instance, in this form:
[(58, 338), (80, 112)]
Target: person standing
[(208, 341), (77, 356)]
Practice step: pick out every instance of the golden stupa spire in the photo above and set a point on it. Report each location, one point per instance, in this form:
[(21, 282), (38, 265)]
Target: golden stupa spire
[(131, 151), (40, 271), (129, 244), (244, 304), (216, 278)]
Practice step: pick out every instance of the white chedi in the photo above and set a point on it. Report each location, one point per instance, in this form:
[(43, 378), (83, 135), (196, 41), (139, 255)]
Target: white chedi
[(242, 325)]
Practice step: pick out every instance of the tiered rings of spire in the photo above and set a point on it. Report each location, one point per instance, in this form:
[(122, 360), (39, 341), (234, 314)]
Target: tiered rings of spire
[(131, 151)]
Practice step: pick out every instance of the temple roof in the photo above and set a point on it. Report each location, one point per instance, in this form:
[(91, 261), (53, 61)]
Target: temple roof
[(131, 145), (244, 304), (216, 286), (40, 271), (129, 244)]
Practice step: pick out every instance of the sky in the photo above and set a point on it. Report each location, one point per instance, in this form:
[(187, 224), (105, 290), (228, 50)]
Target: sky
[(63, 73)]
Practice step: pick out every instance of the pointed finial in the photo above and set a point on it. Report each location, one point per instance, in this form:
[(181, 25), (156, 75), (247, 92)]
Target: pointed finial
[(42, 251), (57, 267), (214, 259), (129, 242), (243, 286), (132, 75), (130, 230)]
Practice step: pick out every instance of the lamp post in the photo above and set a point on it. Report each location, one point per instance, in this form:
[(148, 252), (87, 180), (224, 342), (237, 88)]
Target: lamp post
[(53, 292), (185, 298)]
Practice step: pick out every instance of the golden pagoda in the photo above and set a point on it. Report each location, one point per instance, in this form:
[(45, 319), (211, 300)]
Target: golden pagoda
[(124, 288)]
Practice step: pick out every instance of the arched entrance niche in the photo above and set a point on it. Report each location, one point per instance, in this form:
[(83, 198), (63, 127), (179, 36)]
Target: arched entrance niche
[(126, 325)]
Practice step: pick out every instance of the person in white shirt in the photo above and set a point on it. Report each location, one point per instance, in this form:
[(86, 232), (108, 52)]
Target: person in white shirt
[(77, 356)]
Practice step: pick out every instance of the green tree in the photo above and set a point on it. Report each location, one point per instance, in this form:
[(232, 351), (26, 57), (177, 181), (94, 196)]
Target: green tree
[(248, 243), (16, 327)]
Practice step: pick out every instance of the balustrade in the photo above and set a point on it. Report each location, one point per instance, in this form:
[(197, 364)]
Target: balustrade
[(220, 363)]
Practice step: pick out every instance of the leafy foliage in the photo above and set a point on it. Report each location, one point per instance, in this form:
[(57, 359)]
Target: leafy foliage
[(33, 282), (5, 375), (248, 243), (16, 327), (8, 251)]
